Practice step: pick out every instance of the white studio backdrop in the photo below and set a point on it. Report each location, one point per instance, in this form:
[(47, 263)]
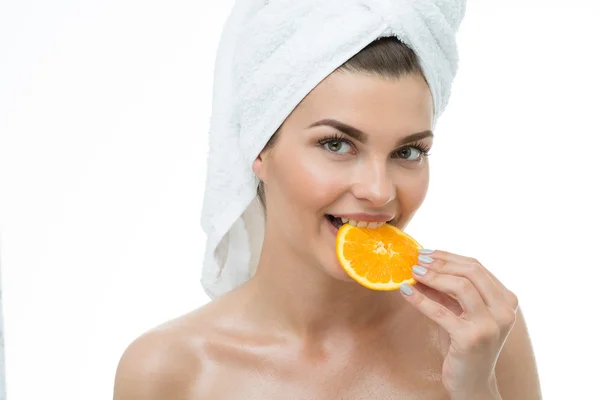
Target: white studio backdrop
[(104, 112)]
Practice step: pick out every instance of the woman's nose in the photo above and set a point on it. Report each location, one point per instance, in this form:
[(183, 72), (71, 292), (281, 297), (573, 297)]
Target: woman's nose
[(375, 185)]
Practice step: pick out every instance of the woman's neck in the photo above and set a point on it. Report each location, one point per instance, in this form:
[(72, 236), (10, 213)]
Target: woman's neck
[(303, 298)]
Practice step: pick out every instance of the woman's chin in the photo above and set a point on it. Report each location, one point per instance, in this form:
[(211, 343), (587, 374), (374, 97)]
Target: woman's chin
[(335, 270)]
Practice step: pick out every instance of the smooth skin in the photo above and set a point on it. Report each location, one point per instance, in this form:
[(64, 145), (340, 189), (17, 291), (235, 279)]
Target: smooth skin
[(300, 328)]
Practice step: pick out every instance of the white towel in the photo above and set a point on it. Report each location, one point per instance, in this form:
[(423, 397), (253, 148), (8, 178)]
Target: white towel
[(271, 55)]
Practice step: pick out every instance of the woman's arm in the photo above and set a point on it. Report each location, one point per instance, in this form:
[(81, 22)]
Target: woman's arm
[(159, 365), (516, 371)]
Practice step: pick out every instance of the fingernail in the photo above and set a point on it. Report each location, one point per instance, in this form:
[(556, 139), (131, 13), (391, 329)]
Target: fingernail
[(417, 269), (406, 289), (425, 251), (425, 259)]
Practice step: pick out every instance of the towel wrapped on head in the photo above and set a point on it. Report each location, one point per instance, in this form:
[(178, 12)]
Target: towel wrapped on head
[(272, 53)]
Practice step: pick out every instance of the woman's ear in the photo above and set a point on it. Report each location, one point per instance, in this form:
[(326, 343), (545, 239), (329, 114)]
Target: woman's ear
[(259, 167)]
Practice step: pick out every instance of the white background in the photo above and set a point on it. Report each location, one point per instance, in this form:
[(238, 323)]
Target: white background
[(104, 111)]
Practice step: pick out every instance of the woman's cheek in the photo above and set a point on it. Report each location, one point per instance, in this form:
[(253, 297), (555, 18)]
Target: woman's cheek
[(327, 173)]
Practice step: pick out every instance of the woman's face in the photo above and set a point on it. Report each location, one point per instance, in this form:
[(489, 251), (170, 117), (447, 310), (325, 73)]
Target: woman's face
[(346, 152)]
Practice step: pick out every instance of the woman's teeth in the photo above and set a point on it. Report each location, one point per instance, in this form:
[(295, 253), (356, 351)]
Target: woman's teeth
[(363, 224)]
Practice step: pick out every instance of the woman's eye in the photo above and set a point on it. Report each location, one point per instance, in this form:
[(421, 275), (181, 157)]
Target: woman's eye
[(410, 153), (338, 146)]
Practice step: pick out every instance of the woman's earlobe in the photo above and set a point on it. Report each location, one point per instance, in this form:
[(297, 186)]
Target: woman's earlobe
[(258, 166)]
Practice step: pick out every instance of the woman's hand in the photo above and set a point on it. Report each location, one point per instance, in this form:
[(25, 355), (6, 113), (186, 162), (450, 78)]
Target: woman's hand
[(476, 311)]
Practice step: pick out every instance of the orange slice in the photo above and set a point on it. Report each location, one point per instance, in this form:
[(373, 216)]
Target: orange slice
[(380, 259)]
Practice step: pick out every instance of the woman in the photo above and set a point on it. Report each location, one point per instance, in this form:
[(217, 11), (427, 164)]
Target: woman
[(354, 147)]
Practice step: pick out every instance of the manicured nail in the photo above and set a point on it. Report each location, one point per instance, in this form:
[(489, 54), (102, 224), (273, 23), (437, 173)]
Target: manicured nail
[(425, 251), (417, 269), (406, 289), (425, 259)]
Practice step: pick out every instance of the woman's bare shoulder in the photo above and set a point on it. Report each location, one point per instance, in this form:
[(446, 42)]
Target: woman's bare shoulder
[(166, 361)]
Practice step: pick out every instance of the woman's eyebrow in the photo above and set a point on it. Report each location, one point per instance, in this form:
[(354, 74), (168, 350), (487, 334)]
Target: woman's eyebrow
[(362, 137)]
